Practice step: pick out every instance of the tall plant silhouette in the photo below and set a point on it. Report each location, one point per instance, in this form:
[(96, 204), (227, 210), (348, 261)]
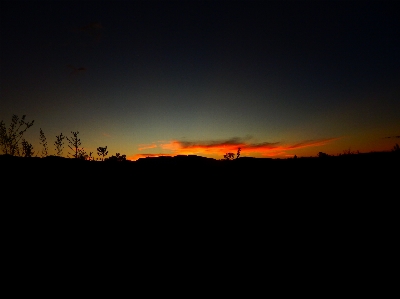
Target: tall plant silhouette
[(27, 149), (10, 139), (59, 144), (74, 145), (102, 152), (43, 142)]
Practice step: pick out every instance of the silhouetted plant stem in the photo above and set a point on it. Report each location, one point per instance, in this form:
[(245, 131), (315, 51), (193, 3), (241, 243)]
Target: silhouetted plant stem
[(74, 144), (59, 144), (238, 153), (27, 149), (9, 139), (43, 142)]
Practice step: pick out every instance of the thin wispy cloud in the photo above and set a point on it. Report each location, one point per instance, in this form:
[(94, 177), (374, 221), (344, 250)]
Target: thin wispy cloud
[(309, 143), (146, 146), (281, 150)]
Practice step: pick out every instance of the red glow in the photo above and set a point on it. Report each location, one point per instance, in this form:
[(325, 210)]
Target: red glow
[(219, 148)]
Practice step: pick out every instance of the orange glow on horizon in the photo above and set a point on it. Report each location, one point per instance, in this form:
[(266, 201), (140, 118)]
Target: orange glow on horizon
[(218, 149)]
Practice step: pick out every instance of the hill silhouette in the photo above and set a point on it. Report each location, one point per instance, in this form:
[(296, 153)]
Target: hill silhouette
[(322, 209), (199, 173)]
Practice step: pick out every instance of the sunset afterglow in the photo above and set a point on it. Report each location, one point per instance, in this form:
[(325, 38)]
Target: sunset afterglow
[(164, 78)]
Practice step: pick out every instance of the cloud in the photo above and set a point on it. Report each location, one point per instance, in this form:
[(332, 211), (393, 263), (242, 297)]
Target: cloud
[(203, 147), (309, 143), (281, 150), (106, 135), (146, 146), (218, 148), (393, 137), (235, 141), (221, 147)]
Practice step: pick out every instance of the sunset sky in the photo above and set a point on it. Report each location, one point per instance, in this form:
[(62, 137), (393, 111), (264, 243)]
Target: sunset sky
[(144, 78)]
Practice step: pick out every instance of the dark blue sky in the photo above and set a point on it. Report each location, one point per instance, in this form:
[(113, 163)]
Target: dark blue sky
[(277, 78)]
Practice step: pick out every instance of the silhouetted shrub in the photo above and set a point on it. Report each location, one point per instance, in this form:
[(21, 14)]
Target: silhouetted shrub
[(9, 139), (229, 156), (323, 155), (349, 152), (117, 158), (89, 157), (27, 149), (74, 145), (102, 152), (82, 154), (43, 142), (59, 144)]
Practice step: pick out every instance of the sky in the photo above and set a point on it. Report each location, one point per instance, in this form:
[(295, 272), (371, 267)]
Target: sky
[(151, 78)]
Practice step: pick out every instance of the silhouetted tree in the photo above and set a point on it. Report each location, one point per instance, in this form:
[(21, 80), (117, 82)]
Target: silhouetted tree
[(43, 142), (9, 139), (396, 148), (118, 158), (102, 152), (74, 145), (229, 156), (59, 144), (27, 149), (121, 157)]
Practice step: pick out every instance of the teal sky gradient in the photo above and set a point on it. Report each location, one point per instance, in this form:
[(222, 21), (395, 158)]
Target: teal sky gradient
[(128, 75)]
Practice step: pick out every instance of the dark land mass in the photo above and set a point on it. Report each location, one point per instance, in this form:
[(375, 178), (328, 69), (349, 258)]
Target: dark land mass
[(195, 176), (197, 184), (181, 165), (325, 215)]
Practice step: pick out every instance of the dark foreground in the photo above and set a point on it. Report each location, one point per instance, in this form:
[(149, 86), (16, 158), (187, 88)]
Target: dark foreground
[(193, 179), (332, 221), (246, 188)]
